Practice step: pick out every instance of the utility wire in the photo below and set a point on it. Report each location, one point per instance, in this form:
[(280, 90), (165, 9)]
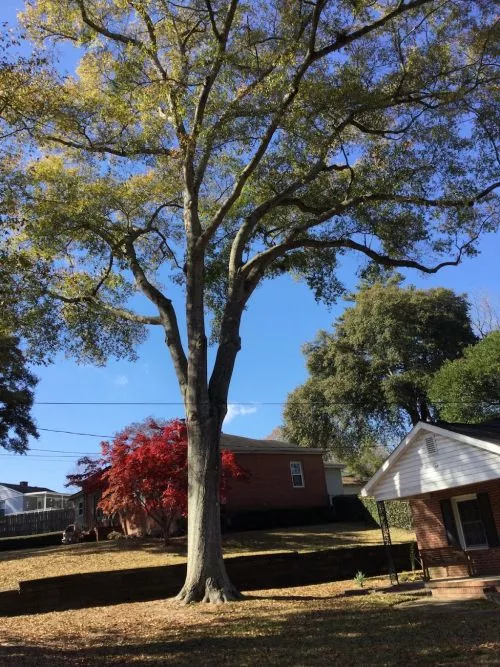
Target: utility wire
[(252, 403), (90, 435)]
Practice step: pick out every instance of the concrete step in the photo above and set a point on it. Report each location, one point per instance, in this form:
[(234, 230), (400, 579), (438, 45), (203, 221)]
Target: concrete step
[(463, 588)]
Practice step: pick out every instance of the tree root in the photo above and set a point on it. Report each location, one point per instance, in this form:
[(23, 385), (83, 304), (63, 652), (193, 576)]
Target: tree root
[(210, 592)]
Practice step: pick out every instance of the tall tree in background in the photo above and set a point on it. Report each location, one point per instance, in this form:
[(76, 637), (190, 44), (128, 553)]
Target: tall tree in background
[(468, 389), (216, 144), (16, 396), (370, 377)]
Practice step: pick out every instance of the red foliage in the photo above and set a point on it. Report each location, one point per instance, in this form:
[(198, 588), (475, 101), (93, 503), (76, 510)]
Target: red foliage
[(145, 467)]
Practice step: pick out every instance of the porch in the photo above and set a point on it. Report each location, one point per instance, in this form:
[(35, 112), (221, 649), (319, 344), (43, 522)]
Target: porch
[(465, 588)]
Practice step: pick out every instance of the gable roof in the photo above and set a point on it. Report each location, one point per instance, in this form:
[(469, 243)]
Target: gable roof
[(237, 443), (26, 489), (485, 436), (486, 432)]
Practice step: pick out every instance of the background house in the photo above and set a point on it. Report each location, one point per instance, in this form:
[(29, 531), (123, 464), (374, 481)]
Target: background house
[(351, 485), (451, 475), (282, 476), (286, 481), (17, 498)]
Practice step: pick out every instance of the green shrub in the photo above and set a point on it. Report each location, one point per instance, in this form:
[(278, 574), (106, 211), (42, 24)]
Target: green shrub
[(360, 578), (398, 512)]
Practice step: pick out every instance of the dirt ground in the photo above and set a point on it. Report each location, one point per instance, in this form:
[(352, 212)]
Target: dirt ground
[(311, 625)]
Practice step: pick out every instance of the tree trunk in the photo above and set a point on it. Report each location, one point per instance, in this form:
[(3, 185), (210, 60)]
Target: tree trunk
[(206, 407), (206, 578)]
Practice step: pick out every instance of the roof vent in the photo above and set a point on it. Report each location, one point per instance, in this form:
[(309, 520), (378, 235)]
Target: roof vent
[(431, 446), (23, 484)]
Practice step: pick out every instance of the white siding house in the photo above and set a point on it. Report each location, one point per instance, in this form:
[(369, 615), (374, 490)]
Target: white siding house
[(433, 458), (450, 473)]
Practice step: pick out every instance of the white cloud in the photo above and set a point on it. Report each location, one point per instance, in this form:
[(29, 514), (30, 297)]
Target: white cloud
[(234, 410), (121, 380)]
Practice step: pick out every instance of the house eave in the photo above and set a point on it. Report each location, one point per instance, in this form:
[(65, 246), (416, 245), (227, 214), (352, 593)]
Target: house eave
[(298, 451)]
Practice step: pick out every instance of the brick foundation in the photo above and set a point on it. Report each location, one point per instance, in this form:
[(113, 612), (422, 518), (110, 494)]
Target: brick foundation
[(431, 534)]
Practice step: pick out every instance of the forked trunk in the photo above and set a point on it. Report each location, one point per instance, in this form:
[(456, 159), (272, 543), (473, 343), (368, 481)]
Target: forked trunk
[(206, 578)]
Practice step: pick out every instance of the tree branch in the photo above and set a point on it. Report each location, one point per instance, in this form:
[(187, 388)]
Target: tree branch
[(101, 148), (256, 267), (344, 40), (167, 314), (123, 313), (311, 57)]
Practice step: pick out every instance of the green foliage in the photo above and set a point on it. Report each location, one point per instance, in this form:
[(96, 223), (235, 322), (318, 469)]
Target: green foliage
[(369, 378), (366, 460), (360, 578), (398, 512), (468, 389), (287, 134), (16, 396)]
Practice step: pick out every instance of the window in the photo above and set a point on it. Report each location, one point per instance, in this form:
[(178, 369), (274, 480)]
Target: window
[(297, 475), (80, 508), (469, 519)]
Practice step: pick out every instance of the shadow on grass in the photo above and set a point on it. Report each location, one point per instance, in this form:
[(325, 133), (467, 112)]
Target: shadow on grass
[(375, 634)]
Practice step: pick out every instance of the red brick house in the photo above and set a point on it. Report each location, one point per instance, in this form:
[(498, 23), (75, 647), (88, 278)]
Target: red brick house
[(450, 473), (282, 477)]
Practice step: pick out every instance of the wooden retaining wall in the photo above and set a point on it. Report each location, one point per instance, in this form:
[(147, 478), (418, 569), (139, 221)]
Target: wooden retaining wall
[(248, 573)]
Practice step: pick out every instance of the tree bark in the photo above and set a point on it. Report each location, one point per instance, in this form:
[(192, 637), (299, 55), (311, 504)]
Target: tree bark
[(206, 577)]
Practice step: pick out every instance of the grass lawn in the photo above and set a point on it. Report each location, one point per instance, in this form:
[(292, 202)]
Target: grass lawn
[(122, 554), (312, 625)]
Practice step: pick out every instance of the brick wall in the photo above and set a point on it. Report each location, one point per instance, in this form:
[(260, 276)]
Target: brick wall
[(430, 531), (270, 484)]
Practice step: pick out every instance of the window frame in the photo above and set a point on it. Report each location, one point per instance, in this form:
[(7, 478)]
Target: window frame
[(458, 522), (292, 474)]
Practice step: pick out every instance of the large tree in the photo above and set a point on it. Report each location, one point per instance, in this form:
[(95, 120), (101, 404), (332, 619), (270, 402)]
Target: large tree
[(214, 144), (468, 389), (369, 378)]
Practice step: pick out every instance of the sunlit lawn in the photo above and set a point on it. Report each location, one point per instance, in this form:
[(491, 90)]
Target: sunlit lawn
[(117, 555), (312, 625)]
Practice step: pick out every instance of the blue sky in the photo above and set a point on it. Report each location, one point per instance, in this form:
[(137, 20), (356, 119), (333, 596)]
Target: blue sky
[(281, 317)]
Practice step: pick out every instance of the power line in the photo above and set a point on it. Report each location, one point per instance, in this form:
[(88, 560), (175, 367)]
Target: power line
[(90, 435), (251, 403)]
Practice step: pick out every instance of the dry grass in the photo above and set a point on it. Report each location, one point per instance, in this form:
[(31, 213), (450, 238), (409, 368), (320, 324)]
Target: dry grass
[(313, 625), (117, 555)]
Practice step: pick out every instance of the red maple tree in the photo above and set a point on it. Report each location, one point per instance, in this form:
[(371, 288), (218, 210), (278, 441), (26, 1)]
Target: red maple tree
[(144, 468)]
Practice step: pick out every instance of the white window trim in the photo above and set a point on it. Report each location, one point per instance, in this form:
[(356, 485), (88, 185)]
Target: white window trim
[(297, 486), (458, 522)]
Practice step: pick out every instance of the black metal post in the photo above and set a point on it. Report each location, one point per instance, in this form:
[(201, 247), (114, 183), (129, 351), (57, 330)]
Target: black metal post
[(386, 536)]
